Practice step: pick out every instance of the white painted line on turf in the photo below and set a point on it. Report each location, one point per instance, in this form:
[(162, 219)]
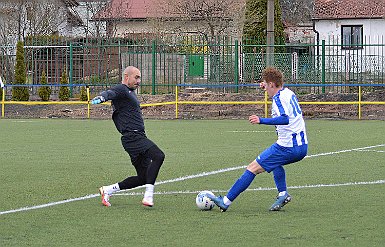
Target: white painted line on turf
[(48, 204), (250, 131), (203, 174), (23, 121), (375, 151), (344, 151), (338, 185), (258, 189), (240, 167), (177, 180)]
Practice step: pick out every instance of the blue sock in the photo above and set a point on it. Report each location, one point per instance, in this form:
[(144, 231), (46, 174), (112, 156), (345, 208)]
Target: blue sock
[(240, 185), (280, 178)]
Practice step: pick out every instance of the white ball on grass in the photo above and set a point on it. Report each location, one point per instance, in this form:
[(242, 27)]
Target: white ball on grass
[(203, 202)]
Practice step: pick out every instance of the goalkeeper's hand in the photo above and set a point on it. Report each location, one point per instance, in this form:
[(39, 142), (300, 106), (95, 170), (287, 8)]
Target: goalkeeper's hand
[(98, 100)]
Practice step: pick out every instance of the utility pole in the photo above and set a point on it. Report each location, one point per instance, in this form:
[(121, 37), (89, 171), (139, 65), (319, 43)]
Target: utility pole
[(270, 33)]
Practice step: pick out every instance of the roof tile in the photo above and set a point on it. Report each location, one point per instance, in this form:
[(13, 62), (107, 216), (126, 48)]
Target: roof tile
[(128, 9), (349, 9)]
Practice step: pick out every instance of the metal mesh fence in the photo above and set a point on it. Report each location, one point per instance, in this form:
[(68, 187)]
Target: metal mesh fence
[(192, 60)]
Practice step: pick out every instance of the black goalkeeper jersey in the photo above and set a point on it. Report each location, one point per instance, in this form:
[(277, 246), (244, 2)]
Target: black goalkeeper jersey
[(127, 115)]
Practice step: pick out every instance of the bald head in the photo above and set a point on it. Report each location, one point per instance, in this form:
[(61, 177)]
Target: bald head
[(128, 70), (131, 77)]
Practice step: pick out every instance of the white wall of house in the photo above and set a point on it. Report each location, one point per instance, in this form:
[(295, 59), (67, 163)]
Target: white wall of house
[(367, 59), (144, 26), (300, 34), (373, 29), (123, 28)]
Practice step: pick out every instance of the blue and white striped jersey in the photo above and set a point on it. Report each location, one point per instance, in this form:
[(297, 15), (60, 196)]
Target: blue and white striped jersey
[(294, 133)]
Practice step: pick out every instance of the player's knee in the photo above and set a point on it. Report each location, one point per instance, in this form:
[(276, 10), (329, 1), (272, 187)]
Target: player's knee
[(255, 168), (157, 154), (162, 156)]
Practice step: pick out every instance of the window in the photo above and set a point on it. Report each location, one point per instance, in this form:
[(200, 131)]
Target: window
[(352, 37)]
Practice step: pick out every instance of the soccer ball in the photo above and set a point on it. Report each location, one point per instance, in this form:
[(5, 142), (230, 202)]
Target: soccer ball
[(203, 202)]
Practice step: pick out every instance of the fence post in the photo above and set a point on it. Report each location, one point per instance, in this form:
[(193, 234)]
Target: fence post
[(153, 66), (323, 64), (2, 102), (236, 65), (359, 102), (88, 101), (71, 68), (176, 102)]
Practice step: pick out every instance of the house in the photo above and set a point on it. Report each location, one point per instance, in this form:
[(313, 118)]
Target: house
[(126, 17), (20, 19), (71, 18), (90, 27), (297, 21), (353, 35), (351, 20)]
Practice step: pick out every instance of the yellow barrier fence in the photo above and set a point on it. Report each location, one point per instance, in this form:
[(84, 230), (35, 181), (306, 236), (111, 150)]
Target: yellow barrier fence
[(177, 102)]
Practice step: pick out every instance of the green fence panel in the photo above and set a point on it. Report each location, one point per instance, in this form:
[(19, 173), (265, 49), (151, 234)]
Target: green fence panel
[(168, 60)]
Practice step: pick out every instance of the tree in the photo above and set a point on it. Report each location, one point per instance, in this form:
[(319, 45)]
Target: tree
[(109, 14), (207, 17), (215, 21), (297, 11), (38, 17), (44, 91), (33, 17), (7, 36), (83, 94), (22, 18), (20, 93), (95, 26), (255, 25), (64, 92)]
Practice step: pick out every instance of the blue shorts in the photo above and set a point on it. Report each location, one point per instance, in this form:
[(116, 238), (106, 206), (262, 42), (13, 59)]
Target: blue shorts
[(277, 155)]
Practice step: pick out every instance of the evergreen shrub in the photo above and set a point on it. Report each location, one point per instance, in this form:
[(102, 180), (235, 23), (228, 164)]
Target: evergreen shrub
[(64, 92), (83, 94), (44, 91), (20, 93)]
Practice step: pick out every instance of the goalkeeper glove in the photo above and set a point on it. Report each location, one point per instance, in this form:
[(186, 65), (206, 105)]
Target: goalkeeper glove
[(98, 100)]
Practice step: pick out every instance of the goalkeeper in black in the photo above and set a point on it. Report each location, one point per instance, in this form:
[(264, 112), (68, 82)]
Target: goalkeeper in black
[(145, 155)]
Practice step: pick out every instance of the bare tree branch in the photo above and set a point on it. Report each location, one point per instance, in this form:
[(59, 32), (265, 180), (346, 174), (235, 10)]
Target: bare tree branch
[(211, 17)]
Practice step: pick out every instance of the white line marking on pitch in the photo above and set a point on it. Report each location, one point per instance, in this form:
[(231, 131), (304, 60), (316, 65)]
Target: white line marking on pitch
[(49, 204), (23, 121), (344, 151), (375, 151), (203, 175), (250, 131), (257, 189)]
